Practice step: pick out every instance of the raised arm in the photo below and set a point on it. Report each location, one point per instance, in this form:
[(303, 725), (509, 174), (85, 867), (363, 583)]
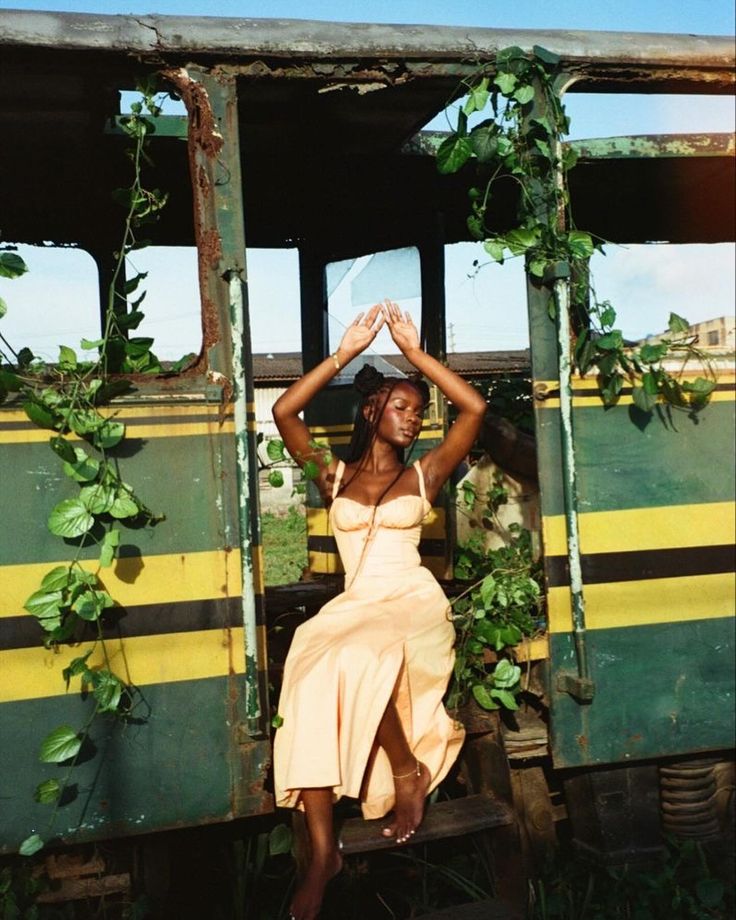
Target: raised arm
[(439, 463), (358, 336)]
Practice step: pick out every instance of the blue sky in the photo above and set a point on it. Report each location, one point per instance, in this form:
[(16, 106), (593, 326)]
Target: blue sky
[(488, 310)]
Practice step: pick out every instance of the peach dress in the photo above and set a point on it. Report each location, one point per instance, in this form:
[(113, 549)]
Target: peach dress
[(389, 634)]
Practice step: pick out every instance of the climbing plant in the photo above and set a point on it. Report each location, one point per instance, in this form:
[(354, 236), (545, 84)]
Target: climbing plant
[(67, 398), (520, 141), (500, 604)]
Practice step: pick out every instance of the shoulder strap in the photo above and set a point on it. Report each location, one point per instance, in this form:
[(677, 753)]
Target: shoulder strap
[(420, 476), (338, 478)]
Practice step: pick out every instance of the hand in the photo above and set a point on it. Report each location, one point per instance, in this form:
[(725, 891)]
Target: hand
[(402, 328), (359, 335)]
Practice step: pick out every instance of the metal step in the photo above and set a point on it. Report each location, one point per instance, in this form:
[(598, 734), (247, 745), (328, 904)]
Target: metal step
[(476, 910), (442, 819)]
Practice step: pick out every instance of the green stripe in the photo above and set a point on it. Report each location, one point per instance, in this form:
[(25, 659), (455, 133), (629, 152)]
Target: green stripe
[(660, 690), (689, 461), (182, 765), (180, 477)]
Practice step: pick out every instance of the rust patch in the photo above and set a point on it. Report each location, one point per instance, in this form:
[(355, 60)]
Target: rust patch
[(582, 740)]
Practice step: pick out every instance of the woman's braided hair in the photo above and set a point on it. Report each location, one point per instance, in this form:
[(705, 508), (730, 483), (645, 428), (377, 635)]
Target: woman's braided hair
[(371, 384)]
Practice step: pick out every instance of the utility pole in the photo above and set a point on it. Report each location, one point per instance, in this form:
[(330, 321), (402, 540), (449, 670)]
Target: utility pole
[(451, 331)]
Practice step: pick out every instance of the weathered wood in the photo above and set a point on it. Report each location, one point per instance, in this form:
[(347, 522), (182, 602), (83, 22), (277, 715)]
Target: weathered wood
[(443, 819), (476, 910)]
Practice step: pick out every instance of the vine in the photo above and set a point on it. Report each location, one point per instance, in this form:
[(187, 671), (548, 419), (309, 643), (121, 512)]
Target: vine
[(66, 398), (518, 144), (501, 605)]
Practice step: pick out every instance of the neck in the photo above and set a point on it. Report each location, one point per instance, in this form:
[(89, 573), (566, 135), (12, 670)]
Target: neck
[(381, 458)]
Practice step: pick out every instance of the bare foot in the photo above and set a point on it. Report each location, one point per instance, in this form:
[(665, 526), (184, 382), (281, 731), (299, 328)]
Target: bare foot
[(411, 791), (308, 896)]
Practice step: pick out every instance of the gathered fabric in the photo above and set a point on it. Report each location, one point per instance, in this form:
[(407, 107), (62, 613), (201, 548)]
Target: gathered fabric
[(389, 634)]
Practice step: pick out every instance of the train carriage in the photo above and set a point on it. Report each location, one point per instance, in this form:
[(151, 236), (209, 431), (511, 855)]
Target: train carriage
[(305, 135)]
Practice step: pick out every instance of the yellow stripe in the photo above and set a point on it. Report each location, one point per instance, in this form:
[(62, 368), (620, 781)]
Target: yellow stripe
[(711, 524), (37, 435), (139, 580), (591, 383), (595, 400), (318, 524), (637, 603), (427, 435), (34, 673)]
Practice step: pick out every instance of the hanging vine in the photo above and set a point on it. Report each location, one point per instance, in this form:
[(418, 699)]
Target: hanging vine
[(521, 142), (67, 398)]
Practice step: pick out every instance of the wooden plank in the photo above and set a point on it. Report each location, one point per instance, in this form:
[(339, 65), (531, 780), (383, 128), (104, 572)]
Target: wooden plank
[(442, 819), (476, 910)]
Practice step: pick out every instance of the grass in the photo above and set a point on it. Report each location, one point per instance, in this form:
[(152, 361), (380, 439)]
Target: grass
[(284, 546)]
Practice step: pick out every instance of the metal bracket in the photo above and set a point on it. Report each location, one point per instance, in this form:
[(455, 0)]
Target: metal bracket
[(582, 688)]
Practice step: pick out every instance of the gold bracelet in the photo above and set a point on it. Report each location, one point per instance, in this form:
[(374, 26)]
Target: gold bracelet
[(335, 359)]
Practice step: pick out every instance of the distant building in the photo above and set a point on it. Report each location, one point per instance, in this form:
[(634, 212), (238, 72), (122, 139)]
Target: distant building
[(718, 334)]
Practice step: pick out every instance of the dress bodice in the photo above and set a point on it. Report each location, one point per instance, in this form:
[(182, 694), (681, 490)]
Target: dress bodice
[(378, 540)]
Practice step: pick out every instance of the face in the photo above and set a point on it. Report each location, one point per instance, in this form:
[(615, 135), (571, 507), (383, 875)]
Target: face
[(401, 415)]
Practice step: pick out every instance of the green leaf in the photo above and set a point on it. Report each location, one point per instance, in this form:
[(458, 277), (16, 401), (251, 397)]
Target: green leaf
[(611, 341), (506, 674), (131, 285), (107, 690), (699, 387), (505, 698), (110, 543), (67, 357), (60, 745), (84, 468), (537, 267), (70, 518), (277, 721), (47, 792), (31, 845), (276, 479), (506, 82), (40, 415), (97, 498), (11, 265), (487, 590), (581, 244), (678, 324), (279, 840), (63, 448), (90, 605), (524, 94), (484, 141), (45, 604), (483, 697), (57, 579), (3, 308), (520, 240), (495, 249), (76, 667), (10, 381), (608, 316), (453, 153), (545, 56), (643, 400), (87, 345), (311, 470), (109, 434), (124, 505), (650, 354), (275, 450)]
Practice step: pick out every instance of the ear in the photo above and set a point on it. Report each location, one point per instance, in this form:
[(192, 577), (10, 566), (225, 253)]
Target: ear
[(369, 411)]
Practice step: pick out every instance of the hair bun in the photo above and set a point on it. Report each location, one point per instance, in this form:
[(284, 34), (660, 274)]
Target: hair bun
[(368, 380)]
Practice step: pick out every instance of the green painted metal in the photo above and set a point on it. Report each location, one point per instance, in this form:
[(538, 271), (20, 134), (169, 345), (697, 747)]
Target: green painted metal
[(177, 762), (619, 465), (661, 690), (185, 478)]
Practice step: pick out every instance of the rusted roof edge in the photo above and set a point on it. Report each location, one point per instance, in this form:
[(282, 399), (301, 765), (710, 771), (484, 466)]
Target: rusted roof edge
[(309, 40)]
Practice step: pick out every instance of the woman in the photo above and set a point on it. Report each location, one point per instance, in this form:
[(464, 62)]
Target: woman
[(361, 701)]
